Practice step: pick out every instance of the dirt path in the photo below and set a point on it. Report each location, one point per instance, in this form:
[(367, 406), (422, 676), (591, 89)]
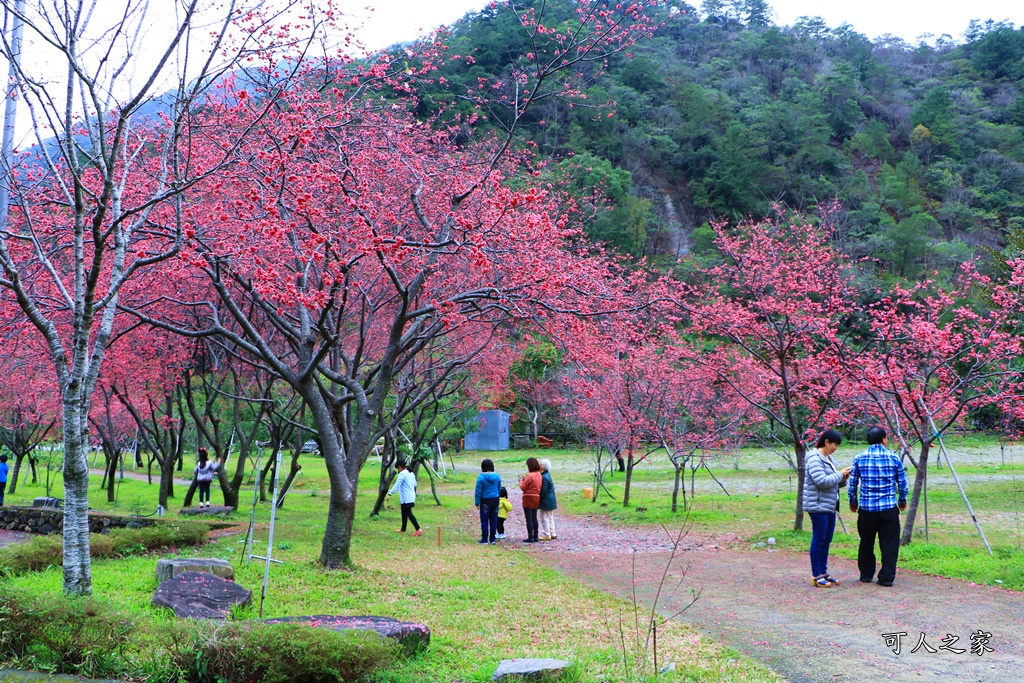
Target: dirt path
[(141, 476), (761, 602)]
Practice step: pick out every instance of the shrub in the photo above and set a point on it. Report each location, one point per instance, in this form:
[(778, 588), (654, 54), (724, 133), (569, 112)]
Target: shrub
[(278, 653), (81, 636), (42, 552), (89, 637)]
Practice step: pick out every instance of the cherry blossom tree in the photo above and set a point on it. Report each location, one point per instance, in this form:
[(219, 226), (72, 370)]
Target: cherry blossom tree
[(347, 237), (29, 408), (703, 418), (932, 355), (116, 429), (777, 300), (86, 219), (536, 380)]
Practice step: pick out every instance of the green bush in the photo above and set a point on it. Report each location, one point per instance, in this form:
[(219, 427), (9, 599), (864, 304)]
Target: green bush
[(81, 636), (41, 552), (89, 637), (274, 653)]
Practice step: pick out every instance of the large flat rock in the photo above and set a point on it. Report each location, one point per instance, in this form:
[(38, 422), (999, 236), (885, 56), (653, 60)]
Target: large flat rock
[(198, 595), (212, 511), (411, 635), (168, 569), (533, 669)]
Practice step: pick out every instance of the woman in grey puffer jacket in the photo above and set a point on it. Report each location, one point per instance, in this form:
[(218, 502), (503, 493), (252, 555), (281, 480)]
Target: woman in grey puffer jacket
[(822, 482)]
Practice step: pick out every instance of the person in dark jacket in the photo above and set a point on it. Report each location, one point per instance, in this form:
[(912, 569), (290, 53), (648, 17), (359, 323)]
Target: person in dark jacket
[(822, 481), (530, 486), (488, 488), (548, 504)]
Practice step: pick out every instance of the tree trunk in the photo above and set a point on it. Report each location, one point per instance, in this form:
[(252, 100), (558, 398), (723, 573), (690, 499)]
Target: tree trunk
[(433, 487), (920, 481), (238, 480), (675, 489), (271, 462), (110, 475), (230, 493), (629, 472), (801, 468), (167, 479), (14, 473), (293, 471), (387, 476), (334, 554), (77, 562), (192, 488)]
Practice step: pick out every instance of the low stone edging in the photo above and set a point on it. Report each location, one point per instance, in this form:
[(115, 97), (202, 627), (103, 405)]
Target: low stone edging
[(51, 521)]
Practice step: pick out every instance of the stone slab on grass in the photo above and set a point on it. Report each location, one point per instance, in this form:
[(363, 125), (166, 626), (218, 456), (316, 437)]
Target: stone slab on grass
[(212, 511), (531, 669), (411, 635), (198, 595), (168, 569)]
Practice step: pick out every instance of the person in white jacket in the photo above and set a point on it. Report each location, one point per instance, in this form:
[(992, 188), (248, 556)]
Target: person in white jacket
[(205, 472), (405, 484)]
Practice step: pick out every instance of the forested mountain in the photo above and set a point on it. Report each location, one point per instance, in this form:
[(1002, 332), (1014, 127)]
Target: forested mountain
[(724, 114)]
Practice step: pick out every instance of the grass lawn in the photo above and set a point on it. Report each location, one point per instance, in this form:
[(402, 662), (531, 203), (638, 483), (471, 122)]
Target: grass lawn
[(488, 603), (762, 500), (482, 604)]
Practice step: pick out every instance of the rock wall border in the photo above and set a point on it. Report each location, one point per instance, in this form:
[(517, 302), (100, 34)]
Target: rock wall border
[(50, 521)]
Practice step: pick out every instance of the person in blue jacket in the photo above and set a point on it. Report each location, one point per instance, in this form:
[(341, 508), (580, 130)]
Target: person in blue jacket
[(3, 477), (488, 488)]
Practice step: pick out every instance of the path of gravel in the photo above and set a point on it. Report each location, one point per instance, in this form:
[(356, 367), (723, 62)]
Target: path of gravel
[(762, 603)]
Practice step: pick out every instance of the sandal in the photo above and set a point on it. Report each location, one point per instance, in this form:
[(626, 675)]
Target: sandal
[(831, 579), (821, 582)]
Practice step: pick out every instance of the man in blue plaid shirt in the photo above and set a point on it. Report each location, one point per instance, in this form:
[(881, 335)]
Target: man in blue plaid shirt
[(880, 477)]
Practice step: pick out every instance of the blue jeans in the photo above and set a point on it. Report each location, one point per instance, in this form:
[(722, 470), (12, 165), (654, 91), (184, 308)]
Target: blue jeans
[(823, 525), (488, 519)]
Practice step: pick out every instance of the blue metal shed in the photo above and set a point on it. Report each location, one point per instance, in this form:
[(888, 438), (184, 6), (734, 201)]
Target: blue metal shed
[(493, 434)]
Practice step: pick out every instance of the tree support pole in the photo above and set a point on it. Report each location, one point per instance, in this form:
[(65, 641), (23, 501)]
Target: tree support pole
[(963, 494), (270, 538), (247, 548)]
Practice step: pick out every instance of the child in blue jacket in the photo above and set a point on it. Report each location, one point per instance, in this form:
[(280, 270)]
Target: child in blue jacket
[(488, 486)]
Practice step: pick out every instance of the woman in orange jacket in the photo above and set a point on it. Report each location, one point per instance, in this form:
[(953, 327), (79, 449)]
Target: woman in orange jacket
[(530, 486)]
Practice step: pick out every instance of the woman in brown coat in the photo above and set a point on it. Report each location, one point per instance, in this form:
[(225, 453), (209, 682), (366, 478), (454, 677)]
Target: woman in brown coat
[(530, 485)]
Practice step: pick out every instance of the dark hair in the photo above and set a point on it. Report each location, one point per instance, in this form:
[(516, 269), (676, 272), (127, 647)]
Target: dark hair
[(503, 493), (830, 435), (486, 465), (204, 455), (400, 464), (875, 436), (3, 458), (532, 464)]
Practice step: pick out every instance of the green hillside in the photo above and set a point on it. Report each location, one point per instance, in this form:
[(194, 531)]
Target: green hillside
[(724, 114)]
